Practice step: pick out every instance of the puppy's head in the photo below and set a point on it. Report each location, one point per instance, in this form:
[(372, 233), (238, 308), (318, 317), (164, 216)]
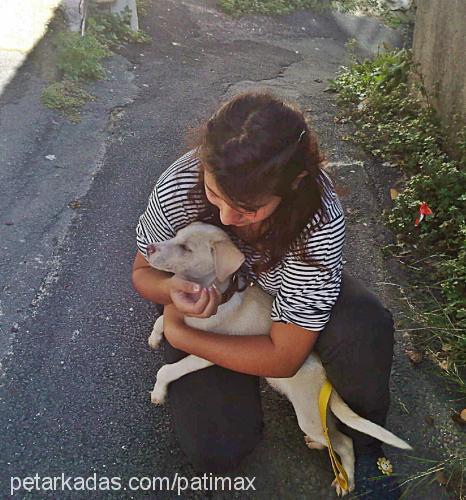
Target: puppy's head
[(199, 252)]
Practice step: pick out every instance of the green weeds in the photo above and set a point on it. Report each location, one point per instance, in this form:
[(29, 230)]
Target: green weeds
[(238, 8), (66, 96), (79, 58), (393, 119)]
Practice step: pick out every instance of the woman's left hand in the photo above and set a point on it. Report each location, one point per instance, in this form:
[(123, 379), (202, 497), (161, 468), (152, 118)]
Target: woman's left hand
[(174, 326), (208, 303)]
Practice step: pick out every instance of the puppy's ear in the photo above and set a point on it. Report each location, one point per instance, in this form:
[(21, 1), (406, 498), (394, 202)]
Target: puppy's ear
[(227, 258)]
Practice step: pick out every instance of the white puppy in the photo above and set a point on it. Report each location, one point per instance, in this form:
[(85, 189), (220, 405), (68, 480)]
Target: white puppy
[(204, 254)]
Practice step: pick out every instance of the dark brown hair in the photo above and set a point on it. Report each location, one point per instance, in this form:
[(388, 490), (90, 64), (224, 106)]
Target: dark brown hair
[(255, 145)]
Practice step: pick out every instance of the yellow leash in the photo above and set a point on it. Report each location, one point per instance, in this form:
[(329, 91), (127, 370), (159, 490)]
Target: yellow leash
[(338, 469)]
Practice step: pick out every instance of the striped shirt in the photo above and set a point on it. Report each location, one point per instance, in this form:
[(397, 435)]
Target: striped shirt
[(303, 294)]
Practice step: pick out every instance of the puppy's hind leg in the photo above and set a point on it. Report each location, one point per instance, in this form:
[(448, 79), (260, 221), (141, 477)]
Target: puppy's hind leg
[(157, 333), (313, 445), (343, 445), (309, 422), (174, 371)]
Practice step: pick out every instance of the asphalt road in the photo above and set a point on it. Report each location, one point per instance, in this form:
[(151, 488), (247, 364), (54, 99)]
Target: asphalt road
[(76, 368)]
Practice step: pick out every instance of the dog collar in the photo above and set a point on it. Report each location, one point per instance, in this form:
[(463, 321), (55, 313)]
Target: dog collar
[(234, 287)]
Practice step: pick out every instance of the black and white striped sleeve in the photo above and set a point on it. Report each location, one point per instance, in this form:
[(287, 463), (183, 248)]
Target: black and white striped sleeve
[(153, 225), (308, 293)]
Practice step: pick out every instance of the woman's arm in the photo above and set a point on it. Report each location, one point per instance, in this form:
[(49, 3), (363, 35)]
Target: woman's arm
[(150, 283), (279, 354)]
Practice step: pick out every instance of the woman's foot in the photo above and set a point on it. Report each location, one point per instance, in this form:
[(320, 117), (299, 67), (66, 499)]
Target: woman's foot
[(373, 476)]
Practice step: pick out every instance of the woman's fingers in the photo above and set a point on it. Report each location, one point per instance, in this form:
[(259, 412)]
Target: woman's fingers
[(201, 304), (184, 285), (214, 301), (207, 304), (189, 304)]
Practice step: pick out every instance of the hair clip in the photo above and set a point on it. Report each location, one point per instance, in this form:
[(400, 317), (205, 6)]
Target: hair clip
[(301, 135)]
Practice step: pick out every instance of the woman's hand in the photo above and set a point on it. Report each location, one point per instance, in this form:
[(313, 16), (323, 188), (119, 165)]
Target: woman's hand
[(190, 300)]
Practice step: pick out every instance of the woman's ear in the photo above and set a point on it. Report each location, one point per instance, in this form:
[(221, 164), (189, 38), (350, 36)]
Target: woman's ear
[(296, 182)]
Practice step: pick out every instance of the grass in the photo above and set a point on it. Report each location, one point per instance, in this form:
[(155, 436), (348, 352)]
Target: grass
[(67, 97), (393, 119), (113, 30), (238, 8), (80, 59), (385, 100), (449, 473), (430, 330)]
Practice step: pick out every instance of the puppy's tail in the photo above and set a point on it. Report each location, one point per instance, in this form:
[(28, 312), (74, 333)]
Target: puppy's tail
[(353, 420)]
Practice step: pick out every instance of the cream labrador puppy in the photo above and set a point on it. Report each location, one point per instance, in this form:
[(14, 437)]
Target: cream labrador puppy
[(204, 254)]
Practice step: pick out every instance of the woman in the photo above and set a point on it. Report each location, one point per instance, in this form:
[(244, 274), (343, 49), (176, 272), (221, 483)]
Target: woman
[(256, 171)]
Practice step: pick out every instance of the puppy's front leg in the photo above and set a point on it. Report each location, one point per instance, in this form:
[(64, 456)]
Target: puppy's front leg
[(157, 333), (173, 371)]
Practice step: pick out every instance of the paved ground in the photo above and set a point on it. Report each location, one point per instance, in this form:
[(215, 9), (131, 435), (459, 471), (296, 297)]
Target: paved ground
[(76, 369)]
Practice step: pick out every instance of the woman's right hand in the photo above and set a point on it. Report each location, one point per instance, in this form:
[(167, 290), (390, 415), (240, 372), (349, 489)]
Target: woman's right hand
[(192, 300)]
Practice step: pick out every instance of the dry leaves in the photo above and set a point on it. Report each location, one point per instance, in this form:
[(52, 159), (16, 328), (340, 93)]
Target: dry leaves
[(441, 477), (460, 417), (429, 419), (74, 204), (414, 356)]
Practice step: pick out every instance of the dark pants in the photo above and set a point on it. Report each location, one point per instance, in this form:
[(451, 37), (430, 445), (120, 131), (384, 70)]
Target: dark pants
[(217, 413)]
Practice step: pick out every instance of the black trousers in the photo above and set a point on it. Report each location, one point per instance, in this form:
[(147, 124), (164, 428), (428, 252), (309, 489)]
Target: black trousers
[(217, 413)]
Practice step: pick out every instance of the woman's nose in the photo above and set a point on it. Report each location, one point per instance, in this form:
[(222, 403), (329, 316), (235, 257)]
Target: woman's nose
[(229, 217)]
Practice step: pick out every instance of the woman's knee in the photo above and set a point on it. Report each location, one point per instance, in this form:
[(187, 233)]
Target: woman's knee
[(360, 320), (216, 415)]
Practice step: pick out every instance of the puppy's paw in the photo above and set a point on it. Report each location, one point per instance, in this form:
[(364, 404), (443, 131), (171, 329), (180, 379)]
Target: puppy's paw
[(313, 445), (154, 340), (158, 394), (339, 490)]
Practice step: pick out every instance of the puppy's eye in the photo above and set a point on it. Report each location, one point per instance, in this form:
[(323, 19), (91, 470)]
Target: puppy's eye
[(185, 248)]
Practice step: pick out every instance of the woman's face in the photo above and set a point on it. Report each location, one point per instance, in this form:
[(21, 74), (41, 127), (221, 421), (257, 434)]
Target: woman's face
[(229, 214)]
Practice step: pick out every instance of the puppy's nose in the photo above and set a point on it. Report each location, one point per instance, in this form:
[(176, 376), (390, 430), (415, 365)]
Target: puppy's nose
[(151, 248)]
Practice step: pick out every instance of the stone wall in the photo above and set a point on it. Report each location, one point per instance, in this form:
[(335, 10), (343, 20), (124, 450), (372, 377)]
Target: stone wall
[(440, 49)]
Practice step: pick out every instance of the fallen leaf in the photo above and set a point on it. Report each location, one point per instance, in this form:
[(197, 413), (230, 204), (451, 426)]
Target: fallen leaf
[(414, 356), (363, 104), (444, 364), (75, 204), (441, 477), (393, 193), (460, 417), (429, 420)]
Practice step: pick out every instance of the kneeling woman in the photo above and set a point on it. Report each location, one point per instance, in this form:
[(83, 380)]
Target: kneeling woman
[(256, 171)]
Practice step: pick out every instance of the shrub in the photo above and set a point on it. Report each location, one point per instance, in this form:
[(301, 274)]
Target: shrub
[(79, 56), (113, 30), (394, 121)]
